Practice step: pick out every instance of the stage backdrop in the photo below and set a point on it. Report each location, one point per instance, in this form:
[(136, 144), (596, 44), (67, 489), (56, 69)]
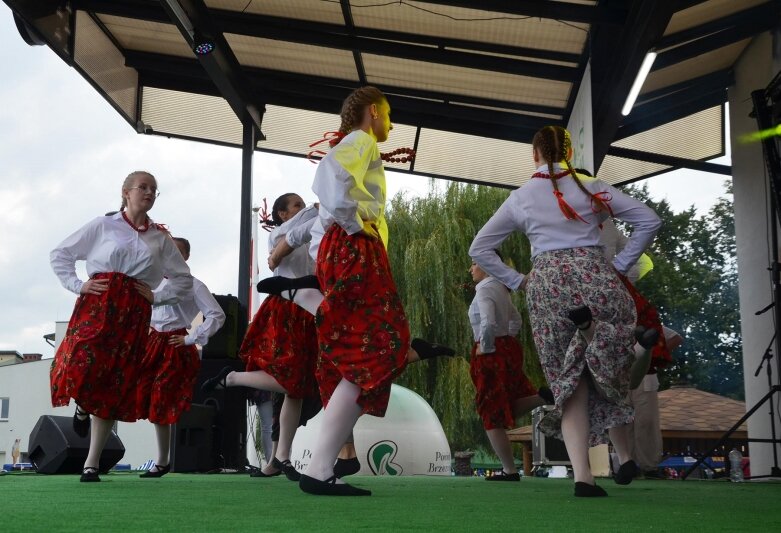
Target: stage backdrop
[(407, 441), (580, 125)]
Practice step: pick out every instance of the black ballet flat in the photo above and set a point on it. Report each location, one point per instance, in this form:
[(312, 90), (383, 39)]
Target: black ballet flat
[(546, 394), (159, 472), (259, 473), (287, 467), (279, 284), (581, 317), (584, 490), (329, 487), (504, 476), (646, 337), (346, 467), (427, 350), (217, 381), (626, 473), (81, 425), (89, 475)]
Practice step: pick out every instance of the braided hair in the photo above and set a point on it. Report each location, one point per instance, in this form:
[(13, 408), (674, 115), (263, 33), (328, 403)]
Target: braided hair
[(129, 180), (355, 105), (553, 143)]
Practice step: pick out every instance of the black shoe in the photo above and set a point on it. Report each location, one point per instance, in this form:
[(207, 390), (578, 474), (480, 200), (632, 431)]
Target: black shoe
[(504, 476), (346, 467), (626, 473), (259, 473), (89, 475), (81, 425), (329, 487), (581, 316), (427, 350), (159, 471), (216, 381), (584, 490), (287, 467), (279, 284), (646, 337), (546, 394)]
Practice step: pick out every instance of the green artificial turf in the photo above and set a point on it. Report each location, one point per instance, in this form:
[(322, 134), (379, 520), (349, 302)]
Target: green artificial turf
[(231, 502)]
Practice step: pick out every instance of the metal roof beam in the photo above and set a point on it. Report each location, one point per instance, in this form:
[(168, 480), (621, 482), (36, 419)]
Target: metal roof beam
[(720, 79), (669, 160), (222, 67), (544, 9), (652, 119)]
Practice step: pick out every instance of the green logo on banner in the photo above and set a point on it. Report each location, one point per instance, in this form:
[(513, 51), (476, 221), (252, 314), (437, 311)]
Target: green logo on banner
[(381, 457)]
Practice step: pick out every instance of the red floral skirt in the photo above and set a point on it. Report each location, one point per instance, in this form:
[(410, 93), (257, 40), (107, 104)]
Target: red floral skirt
[(363, 332), (499, 380), (168, 376), (282, 341), (98, 362), (648, 316)]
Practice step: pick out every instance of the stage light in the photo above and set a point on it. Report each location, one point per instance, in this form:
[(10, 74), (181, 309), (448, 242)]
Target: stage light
[(642, 74), (202, 45)]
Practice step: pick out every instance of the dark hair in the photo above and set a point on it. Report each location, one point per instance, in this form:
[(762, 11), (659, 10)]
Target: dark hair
[(553, 143), (184, 242), (280, 204), (111, 213), (499, 254), (584, 172)]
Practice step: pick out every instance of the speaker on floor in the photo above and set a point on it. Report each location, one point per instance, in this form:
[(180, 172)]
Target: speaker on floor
[(56, 449), (229, 427), (546, 451), (192, 442), (227, 341)]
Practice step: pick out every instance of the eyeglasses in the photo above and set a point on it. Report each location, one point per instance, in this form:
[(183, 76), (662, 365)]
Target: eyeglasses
[(144, 189)]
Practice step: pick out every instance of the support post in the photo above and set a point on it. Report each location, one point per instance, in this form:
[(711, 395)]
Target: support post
[(245, 218)]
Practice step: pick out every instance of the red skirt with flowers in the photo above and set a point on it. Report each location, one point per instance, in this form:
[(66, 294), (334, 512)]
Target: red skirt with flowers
[(363, 332), (648, 316), (282, 341), (169, 373), (98, 362), (499, 380)]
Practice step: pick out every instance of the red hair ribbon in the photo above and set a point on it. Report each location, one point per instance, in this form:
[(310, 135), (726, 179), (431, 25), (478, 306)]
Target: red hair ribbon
[(569, 213), (266, 222), (605, 197), (332, 137)]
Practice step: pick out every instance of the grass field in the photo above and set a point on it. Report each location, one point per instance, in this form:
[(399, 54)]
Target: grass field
[(233, 502)]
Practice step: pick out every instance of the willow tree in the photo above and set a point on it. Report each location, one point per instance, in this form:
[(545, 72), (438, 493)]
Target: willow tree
[(428, 251)]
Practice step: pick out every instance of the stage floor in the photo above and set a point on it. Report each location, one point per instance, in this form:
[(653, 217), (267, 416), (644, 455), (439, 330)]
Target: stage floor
[(236, 502)]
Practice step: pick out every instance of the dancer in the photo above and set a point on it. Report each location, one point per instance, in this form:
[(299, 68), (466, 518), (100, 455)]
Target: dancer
[(363, 333), (582, 317), (280, 346), (503, 391), (171, 364), (97, 363)]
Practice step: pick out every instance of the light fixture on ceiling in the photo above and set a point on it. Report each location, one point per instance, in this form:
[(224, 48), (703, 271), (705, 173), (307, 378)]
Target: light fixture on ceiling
[(202, 45), (642, 74)]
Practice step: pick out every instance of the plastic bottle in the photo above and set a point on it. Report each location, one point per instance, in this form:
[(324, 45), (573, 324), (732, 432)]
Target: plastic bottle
[(735, 465)]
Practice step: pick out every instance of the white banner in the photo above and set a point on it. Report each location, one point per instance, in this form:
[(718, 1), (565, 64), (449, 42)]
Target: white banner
[(580, 125)]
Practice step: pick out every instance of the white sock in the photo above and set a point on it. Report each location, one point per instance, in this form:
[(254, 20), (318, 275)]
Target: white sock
[(309, 299)]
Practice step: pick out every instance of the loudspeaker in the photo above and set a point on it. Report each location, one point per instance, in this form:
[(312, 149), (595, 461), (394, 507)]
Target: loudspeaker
[(546, 450), (192, 442), (229, 427), (227, 341), (56, 449)]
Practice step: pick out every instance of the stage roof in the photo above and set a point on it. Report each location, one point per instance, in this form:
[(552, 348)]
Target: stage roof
[(468, 85)]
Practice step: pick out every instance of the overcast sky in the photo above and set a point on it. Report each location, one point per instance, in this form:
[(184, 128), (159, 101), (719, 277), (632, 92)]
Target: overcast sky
[(64, 152)]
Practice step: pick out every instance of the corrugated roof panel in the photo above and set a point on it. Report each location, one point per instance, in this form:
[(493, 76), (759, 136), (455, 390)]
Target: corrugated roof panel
[(147, 36), (704, 12), (315, 10), (617, 170)]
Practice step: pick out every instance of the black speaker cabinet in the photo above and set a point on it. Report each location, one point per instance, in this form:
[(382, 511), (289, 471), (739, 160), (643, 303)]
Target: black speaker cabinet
[(229, 427), (56, 449), (546, 451), (192, 443), (227, 341)]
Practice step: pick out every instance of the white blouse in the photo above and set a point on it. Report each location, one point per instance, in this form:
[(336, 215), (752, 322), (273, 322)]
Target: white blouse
[(350, 184), (110, 244), (181, 314), (533, 209), (492, 314), (296, 231)]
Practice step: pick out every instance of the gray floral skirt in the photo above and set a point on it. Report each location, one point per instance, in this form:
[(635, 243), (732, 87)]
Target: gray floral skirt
[(562, 280)]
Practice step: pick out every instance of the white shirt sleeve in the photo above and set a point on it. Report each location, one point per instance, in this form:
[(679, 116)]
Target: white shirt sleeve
[(645, 224), (302, 233), (180, 281), (75, 247), (490, 238), (487, 309), (516, 321), (213, 316)]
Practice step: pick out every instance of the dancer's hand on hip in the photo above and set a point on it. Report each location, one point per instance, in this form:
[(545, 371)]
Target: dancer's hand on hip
[(144, 290), (176, 340), (370, 230), (94, 286)]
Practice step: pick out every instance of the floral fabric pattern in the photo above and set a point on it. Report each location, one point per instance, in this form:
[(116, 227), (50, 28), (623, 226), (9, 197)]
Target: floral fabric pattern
[(98, 363), (361, 326), (168, 377), (565, 279), (282, 341), (499, 380)]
